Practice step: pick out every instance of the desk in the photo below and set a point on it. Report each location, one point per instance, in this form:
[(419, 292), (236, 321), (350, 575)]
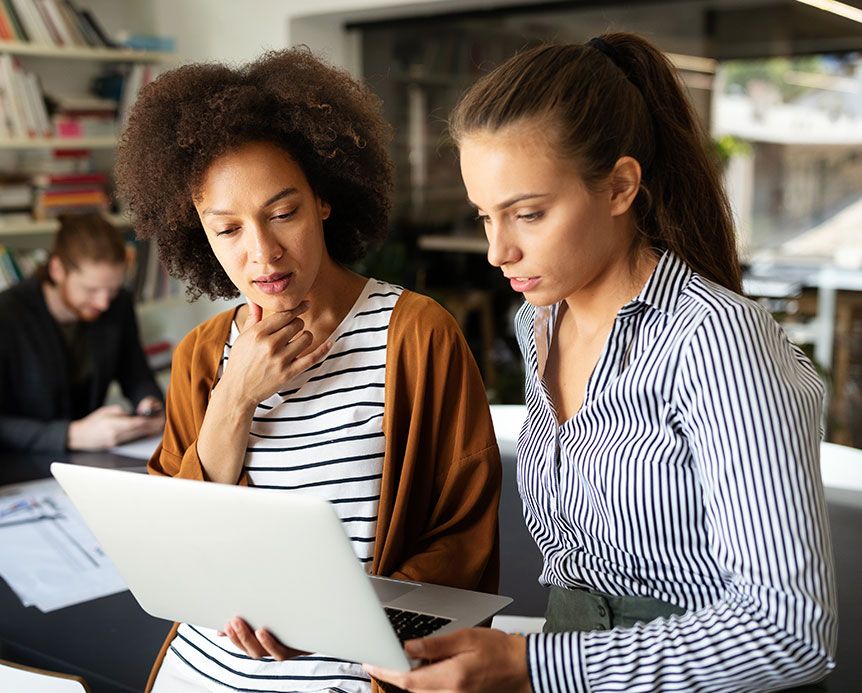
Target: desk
[(111, 642)]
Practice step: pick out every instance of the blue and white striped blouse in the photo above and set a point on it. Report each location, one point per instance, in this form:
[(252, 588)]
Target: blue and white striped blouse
[(691, 475)]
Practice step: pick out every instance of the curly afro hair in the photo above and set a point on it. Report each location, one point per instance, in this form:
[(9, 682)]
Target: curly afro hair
[(188, 117)]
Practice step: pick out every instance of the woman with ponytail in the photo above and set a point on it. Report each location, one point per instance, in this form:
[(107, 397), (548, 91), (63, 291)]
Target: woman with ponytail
[(669, 463)]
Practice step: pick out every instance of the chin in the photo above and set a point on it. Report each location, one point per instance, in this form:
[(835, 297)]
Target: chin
[(541, 300), (277, 304)]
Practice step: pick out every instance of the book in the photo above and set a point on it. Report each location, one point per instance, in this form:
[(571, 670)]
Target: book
[(15, 21), (90, 19), (48, 22), (12, 98), (32, 22)]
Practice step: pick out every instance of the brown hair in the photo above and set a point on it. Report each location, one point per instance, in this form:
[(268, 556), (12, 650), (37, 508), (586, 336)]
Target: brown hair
[(185, 119), (618, 96), (85, 238)]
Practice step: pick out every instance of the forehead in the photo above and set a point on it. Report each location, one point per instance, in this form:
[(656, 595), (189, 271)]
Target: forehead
[(506, 161), (253, 169), (94, 274)]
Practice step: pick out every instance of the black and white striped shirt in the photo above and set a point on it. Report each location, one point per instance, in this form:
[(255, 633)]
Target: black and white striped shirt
[(691, 475), (323, 436)]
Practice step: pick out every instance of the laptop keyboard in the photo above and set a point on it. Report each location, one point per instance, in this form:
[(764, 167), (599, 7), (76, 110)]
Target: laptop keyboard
[(411, 624)]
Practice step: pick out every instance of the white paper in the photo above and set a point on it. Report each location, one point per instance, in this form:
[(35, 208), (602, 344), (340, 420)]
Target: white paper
[(141, 449), (26, 681), (49, 558)]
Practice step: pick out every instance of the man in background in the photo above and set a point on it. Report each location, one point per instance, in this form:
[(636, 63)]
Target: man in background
[(65, 334)]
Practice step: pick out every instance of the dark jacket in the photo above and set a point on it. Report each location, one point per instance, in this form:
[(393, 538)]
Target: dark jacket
[(35, 396)]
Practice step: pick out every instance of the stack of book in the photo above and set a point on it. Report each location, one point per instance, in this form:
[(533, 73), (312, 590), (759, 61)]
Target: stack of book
[(56, 194), (16, 265), (16, 199), (22, 107), (84, 116), (37, 161), (52, 23)]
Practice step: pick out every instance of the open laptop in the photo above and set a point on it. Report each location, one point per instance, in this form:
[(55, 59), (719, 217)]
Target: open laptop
[(203, 553)]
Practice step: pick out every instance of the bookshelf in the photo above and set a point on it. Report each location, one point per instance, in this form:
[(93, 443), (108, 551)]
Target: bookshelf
[(82, 53), (64, 64), (17, 143)]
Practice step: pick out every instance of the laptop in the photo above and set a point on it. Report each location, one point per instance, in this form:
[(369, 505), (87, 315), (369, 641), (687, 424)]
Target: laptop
[(203, 553)]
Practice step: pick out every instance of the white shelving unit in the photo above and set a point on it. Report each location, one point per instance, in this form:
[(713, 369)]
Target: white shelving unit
[(49, 226), (77, 53), (59, 143)]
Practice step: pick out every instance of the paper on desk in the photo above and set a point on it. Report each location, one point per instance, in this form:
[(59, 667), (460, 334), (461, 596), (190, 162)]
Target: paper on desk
[(141, 449), (49, 558), (27, 681)]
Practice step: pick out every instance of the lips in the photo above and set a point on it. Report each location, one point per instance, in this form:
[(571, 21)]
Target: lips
[(273, 283), (523, 284)]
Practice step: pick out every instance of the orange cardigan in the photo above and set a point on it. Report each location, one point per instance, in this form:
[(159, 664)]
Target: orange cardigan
[(437, 517)]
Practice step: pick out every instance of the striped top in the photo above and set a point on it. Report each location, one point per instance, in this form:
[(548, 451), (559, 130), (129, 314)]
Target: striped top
[(691, 475), (323, 436)]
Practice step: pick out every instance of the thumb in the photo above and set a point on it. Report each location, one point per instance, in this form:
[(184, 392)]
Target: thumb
[(110, 410), (439, 647), (255, 315)]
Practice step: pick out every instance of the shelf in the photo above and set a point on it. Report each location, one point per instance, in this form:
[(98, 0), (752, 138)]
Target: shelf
[(47, 226), (454, 244), (42, 50), (105, 142)]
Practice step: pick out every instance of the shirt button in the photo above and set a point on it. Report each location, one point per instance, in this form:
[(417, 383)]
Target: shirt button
[(602, 611), (600, 626)]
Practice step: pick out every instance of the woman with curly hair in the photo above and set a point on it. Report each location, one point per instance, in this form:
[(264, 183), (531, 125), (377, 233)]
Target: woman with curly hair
[(266, 181)]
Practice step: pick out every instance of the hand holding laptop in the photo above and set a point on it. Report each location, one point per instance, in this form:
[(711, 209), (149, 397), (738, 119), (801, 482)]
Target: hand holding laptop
[(459, 662), (258, 643)]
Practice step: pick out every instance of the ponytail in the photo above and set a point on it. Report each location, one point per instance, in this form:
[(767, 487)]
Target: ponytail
[(618, 96)]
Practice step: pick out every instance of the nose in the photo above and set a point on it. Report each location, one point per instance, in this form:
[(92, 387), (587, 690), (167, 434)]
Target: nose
[(265, 248), (501, 248), (102, 300)]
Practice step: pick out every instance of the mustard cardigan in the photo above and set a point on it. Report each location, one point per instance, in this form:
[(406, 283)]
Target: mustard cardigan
[(437, 516)]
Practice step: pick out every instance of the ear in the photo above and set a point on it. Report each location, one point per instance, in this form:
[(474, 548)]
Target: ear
[(56, 270), (625, 181), (325, 208)]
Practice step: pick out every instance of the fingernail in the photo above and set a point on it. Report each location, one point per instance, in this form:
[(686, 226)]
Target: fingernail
[(415, 647)]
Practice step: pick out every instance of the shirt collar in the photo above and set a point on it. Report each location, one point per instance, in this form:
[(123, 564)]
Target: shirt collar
[(663, 288)]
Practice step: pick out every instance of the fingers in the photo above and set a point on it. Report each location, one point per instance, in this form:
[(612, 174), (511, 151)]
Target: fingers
[(255, 315), (241, 635), (258, 644), (307, 361), (275, 647), (278, 321), (109, 410), (148, 406), (439, 647)]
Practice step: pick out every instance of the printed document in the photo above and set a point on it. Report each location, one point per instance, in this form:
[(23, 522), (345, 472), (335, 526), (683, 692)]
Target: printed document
[(49, 558)]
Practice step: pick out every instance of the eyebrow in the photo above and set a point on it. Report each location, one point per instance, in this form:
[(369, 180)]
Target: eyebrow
[(275, 198), (511, 201)]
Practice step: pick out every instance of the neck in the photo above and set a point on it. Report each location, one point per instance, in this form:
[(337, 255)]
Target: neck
[(597, 304)]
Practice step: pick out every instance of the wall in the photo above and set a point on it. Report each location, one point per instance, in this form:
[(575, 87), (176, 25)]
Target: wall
[(231, 31)]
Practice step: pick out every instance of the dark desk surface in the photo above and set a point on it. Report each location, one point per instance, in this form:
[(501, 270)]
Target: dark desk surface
[(111, 641)]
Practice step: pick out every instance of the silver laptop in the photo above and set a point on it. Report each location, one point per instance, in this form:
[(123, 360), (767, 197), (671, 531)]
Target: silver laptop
[(203, 553)]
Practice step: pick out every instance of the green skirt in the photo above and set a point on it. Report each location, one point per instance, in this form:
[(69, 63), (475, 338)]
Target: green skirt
[(586, 610)]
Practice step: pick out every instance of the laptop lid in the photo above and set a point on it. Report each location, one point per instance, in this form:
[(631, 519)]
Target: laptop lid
[(203, 553)]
